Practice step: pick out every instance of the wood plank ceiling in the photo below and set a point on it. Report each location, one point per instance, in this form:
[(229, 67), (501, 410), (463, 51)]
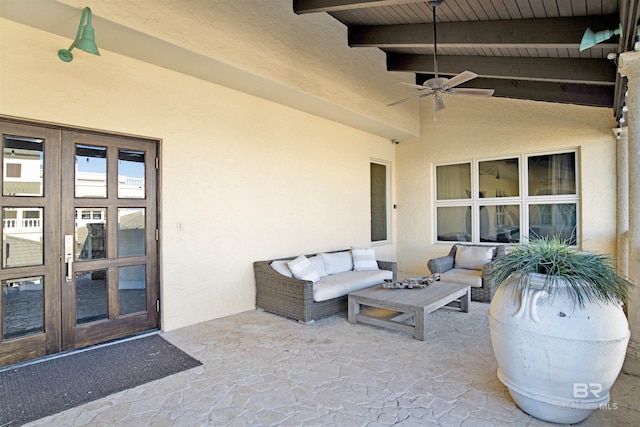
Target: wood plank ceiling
[(525, 49)]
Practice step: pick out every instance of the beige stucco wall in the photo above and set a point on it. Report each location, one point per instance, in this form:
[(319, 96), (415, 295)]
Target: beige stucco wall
[(254, 46), (254, 179), (478, 128), (248, 178)]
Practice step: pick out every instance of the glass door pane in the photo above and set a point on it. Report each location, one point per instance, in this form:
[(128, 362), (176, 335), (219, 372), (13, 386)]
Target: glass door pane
[(23, 166), (132, 289), (22, 307), (91, 171), (91, 233), (131, 174), (131, 232), (22, 237), (91, 296)]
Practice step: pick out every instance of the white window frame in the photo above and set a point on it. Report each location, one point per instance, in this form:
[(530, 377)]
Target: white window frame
[(523, 200)]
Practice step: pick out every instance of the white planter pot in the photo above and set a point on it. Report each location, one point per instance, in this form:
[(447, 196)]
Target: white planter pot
[(557, 360)]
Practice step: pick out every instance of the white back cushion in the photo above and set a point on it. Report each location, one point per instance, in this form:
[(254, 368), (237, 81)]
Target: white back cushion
[(364, 259), (473, 257), (282, 268), (337, 262), (318, 264)]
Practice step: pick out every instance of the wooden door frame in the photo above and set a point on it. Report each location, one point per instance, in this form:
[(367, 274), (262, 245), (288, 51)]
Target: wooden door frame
[(52, 341), (77, 336)]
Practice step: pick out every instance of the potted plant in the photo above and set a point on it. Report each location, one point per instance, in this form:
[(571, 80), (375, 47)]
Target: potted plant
[(557, 328)]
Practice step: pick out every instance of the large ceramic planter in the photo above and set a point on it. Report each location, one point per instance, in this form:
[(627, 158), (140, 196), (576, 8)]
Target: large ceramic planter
[(557, 360)]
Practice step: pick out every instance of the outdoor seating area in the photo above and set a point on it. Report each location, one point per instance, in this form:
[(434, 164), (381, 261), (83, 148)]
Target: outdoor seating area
[(309, 287), (341, 217), (264, 369)]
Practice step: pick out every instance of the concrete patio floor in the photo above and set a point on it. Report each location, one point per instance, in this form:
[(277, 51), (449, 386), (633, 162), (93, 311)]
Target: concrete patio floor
[(260, 369)]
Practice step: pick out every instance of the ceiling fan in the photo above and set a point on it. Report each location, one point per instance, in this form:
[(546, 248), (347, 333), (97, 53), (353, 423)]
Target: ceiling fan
[(438, 86)]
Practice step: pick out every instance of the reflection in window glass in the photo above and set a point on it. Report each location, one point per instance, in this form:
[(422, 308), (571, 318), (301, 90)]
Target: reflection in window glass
[(131, 174), (91, 296), (91, 234), (454, 181), (23, 162), (22, 307), (132, 289), (499, 178), (553, 220), (454, 223), (552, 174), (91, 171), (22, 237), (131, 226), (500, 223), (378, 175)]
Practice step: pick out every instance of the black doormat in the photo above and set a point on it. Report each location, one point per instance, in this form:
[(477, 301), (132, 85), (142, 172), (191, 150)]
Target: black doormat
[(35, 390)]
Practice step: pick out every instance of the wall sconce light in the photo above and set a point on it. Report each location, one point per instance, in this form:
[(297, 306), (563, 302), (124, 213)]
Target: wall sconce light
[(85, 38), (590, 39)]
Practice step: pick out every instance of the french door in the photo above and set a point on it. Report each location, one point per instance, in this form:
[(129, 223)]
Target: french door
[(79, 239)]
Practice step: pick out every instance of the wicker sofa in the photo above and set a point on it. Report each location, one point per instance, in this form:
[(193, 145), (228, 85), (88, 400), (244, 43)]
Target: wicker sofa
[(294, 298), (453, 268)]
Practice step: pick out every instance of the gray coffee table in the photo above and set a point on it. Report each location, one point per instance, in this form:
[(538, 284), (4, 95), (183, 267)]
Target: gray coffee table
[(408, 302)]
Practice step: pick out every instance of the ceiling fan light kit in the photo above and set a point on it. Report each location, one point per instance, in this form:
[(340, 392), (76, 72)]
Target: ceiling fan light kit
[(438, 86)]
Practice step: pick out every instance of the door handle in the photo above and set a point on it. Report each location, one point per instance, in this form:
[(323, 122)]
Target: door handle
[(69, 277), (68, 256)]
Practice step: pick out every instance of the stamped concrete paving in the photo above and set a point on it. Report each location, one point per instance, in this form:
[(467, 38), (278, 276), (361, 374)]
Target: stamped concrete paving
[(264, 370)]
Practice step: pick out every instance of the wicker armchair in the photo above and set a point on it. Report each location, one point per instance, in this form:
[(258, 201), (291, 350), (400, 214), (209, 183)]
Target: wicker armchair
[(293, 298), (482, 293)]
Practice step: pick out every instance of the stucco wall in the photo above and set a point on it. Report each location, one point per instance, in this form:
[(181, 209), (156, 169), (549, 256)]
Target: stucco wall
[(254, 46), (248, 178), (473, 128), (252, 179)]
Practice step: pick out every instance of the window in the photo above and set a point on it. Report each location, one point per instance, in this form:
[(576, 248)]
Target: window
[(14, 170), (379, 202), (493, 200)]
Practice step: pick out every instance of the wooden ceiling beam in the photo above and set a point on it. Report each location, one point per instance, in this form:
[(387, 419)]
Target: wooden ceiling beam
[(566, 93), (567, 70), (316, 6), (518, 33)]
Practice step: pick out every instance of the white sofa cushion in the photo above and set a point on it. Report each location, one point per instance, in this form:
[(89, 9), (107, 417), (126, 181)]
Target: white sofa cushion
[(318, 264), (282, 268), (337, 285), (464, 276), (302, 269), (364, 259), (337, 262), (473, 257)]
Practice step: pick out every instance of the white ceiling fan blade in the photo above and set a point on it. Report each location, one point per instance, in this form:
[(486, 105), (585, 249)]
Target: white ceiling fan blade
[(438, 102), (471, 91), (408, 99), (464, 76), (411, 85)]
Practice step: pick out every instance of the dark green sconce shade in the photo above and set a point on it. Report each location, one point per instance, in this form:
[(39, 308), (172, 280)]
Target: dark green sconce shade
[(591, 39), (85, 39)]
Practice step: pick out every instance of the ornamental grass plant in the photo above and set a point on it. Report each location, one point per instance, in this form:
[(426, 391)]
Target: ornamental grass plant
[(588, 276)]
